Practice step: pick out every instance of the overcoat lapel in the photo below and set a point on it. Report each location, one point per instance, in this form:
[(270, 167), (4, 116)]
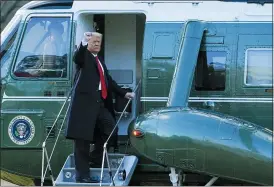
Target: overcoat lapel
[(93, 61)]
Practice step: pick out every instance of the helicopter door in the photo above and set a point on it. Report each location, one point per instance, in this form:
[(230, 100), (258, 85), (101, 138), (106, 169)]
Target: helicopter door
[(40, 76)]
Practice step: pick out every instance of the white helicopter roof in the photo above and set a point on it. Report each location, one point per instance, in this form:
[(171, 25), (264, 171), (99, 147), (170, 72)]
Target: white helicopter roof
[(165, 11)]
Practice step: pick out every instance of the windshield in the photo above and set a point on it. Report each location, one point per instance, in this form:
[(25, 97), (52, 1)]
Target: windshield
[(44, 50)]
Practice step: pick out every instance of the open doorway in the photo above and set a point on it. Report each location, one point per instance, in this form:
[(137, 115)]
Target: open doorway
[(121, 50)]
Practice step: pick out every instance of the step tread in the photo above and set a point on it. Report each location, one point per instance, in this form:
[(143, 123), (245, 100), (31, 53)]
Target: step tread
[(118, 162)]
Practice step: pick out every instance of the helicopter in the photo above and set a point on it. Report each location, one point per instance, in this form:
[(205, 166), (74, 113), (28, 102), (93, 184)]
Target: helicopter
[(187, 139), (143, 41)]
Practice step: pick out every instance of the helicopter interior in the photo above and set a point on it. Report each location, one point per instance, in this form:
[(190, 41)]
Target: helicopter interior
[(122, 52)]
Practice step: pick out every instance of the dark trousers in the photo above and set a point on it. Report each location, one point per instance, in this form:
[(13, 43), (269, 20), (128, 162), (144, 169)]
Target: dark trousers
[(104, 126)]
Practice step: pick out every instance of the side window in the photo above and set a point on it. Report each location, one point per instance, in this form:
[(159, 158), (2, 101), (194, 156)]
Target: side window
[(5, 55), (210, 73), (258, 67), (44, 49)]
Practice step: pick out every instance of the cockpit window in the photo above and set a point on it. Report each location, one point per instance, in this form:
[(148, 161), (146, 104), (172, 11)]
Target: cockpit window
[(44, 49)]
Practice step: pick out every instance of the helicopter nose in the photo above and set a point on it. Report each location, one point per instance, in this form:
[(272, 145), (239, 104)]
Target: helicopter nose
[(142, 133)]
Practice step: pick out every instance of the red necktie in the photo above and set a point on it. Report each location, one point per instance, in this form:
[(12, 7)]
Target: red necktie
[(102, 79)]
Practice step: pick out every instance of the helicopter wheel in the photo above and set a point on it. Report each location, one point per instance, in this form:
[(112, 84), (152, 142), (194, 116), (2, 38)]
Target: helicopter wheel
[(176, 179)]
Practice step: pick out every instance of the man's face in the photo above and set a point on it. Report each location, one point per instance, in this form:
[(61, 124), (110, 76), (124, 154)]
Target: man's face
[(55, 35), (94, 44)]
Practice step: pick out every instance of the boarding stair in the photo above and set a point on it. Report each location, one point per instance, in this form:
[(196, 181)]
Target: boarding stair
[(122, 168), (117, 169)]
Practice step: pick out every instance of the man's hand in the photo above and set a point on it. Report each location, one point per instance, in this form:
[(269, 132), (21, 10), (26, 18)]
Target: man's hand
[(86, 38), (130, 95)]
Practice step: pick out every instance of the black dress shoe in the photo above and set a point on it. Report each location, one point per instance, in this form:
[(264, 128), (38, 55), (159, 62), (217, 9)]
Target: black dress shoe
[(86, 180), (97, 164)]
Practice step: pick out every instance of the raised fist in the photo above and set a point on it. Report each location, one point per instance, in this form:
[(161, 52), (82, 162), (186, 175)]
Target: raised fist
[(87, 36)]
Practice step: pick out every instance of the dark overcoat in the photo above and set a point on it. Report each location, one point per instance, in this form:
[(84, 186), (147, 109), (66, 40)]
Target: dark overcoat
[(84, 106)]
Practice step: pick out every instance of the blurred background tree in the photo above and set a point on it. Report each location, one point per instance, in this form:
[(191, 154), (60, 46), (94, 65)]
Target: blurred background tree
[(8, 9)]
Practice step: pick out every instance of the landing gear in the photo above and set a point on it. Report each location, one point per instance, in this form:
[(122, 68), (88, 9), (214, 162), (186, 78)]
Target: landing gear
[(176, 179), (211, 181)]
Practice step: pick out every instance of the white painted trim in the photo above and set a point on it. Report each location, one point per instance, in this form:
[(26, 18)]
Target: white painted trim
[(182, 10), (58, 15), (213, 99), (35, 99), (233, 101), (149, 2), (149, 99), (227, 22), (33, 3), (11, 26), (172, 10), (144, 98)]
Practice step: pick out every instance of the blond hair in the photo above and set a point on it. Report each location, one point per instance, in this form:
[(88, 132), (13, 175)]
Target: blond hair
[(96, 34)]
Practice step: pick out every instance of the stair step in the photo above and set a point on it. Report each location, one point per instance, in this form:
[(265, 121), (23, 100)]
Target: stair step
[(119, 163)]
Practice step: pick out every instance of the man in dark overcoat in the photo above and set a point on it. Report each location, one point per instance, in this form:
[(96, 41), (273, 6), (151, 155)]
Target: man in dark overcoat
[(91, 116)]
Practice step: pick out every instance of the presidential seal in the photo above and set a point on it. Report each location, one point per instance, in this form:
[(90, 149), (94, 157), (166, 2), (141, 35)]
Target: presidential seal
[(21, 130)]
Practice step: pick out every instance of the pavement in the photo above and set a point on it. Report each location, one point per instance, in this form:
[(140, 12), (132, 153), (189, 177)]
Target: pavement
[(6, 183)]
